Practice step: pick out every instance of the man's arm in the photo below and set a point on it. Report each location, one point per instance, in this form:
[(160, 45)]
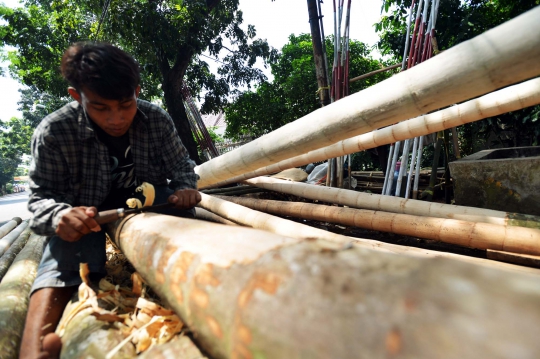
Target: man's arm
[(50, 201)]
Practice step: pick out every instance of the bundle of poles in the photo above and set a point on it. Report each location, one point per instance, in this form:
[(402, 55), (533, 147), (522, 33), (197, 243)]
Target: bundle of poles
[(198, 128), (421, 49)]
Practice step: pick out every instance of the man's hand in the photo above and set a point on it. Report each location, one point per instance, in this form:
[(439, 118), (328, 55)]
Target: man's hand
[(77, 222), (185, 198)]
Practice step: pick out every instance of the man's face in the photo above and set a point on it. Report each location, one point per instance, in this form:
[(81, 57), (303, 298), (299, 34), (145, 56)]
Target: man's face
[(113, 116)]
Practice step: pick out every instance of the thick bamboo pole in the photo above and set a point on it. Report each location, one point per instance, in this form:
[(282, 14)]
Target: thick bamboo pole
[(11, 253), (247, 293), (502, 56), (260, 220), (463, 233), (512, 98), (9, 238), (9, 226), (394, 204), (14, 291)]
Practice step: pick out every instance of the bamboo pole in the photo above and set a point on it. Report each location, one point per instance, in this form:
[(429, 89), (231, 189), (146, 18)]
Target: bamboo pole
[(394, 204), (11, 253), (205, 215), (463, 233), (508, 99), (8, 239), (9, 226), (504, 55), (14, 292), (248, 293), (259, 220), (372, 73)]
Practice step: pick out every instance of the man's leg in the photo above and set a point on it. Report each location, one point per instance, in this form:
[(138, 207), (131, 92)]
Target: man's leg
[(44, 312)]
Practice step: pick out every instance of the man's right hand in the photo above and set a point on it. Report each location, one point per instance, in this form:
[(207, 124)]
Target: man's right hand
[(77, 222)]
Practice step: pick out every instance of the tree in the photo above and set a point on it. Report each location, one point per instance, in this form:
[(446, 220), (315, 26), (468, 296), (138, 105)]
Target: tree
[(35, 105), (14, 142), (167, 38), (459, 21), (293, 92)]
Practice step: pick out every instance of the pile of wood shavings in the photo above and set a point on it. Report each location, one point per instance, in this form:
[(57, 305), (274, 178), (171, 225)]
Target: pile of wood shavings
[(142, 320)]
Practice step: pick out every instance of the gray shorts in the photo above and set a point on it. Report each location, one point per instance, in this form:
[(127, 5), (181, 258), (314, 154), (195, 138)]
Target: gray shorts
[(59, 266)]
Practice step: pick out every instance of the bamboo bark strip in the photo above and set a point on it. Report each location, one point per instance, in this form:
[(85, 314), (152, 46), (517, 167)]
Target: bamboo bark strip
[(394, 204), (463, 233), (8, 239), (203, 214), (259, 220), (9, 226), (500, 57), (11, 253), (251, 294), (509, 99), (14, 292)]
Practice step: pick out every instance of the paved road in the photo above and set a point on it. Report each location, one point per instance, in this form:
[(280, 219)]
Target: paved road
[(13, 205)]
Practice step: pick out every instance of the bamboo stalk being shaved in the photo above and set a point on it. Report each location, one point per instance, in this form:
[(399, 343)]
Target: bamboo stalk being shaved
[(463, 233), (395, 204), (247, 293), (499, 57), (509, 99)]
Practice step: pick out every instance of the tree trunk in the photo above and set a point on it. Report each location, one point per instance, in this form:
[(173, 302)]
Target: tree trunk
[(172, 86), (500, 57), (11, 253), (14, 296), (247, 294), (512, 98), (395, 204), (463, 233)]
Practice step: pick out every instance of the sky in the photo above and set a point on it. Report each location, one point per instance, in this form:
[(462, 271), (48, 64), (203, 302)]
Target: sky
[(273, 21)]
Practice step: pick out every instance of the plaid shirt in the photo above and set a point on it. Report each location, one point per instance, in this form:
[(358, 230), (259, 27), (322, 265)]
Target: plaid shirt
[(70, 166)]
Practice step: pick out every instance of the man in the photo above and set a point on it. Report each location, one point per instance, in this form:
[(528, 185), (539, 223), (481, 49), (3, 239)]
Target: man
[(90, 155)]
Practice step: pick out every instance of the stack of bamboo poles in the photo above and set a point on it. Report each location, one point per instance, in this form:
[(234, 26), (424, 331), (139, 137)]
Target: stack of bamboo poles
[(302, 292), (20, 257)]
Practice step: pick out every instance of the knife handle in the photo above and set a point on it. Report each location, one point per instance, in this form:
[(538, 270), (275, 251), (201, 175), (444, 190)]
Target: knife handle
[(109, 216)]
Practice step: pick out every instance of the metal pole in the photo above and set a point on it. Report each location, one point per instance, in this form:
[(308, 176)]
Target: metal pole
[(393, 168), (403, 168), (388, 169), (411, 170), (418, 165)]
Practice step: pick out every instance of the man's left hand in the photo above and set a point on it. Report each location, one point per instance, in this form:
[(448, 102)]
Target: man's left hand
[(185, 198)]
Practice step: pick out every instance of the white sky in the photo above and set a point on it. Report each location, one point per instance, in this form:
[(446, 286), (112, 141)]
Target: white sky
[(274, 21)]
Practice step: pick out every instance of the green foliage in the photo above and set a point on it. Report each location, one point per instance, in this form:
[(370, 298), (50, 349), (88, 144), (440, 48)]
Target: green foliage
[(35, 105), (293, 92), (166, 37), (458, 21), (14, 142)]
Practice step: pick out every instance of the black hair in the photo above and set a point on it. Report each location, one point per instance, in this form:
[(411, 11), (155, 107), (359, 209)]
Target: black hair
[(102, 68)]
